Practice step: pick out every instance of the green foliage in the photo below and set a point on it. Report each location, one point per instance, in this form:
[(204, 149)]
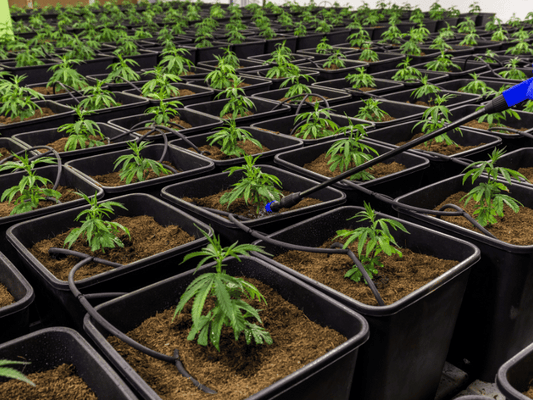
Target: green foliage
[(367, 54), (476, 86), (161, 86), (135, 166), (488, 197), (230, 58), (17, 100), (349, 152), (97, 97), (466, 26), (65, 73), (372, 241), (361, 79), (357, 39), (426, 88), (323, 47), (28, 187), (336, 59), (174, 62), (442, 63), (230, 308), (255, 185), (317, 124), (522, 47), (222, 77), (406, 72), (371, 111), (228, 136), (12, 373), (164, 112), (296, 88), (121, 71), (435, 118), (99, 234), (238, 104), (496, 119), (512, 71), (410, 47), (81, 132), (500, 35), (470, 39)]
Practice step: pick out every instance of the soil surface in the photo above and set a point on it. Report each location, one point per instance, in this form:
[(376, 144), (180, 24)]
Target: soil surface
[(147, 238), (59, 144), (58, 383), (230, 115), (47, 91), (366, 89), (310, 99), (67, 194), (44, 112), (514, 228), (4, 153), (398, 277), (238, 370), (176, 120), (182, 92), (113, 179), (441, 148), (216, 154), (529, 392), (527, 172), (320, 166), (485, 126), (240, 207), (6, 298)]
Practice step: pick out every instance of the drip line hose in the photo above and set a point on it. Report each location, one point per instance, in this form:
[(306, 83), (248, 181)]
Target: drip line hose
[(83, 299), (505, 128), (291, 246), (129, 83), (302, 102)]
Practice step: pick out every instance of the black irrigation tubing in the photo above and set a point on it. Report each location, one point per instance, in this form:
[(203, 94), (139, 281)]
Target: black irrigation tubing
[(67, 89), (291, 246), (83, 299), (505, 128), (305, 96), (131, 84)]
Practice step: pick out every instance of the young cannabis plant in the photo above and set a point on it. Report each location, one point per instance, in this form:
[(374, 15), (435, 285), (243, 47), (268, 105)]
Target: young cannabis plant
[(65, 73), (442, 63), (350, 152), (371, 111), (174, 61), (28, 187), (238, 104), (164, 112), (406, 72), (134, 166), (497, 119), (335, 61), (295, 87), (100, 234), (222, 76), (230, 308), (361, 79), (82, 133), (12, 373), (161, 86), (17, 100), (97, 97), (255, 186), (121, 71), (372, 241), (228, 136), (512, 71), (426, 88), (435, 118), (476, 86), (488, 197), (317, 124)]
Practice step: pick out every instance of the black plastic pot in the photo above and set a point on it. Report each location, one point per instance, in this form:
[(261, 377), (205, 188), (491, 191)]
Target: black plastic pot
[(285, 125), (209, 53), (63, 115), (386, 61), (12, 145), (14, 317), (116, 87), (201, 94), (327, 377), (250, 47), (391, 185), (290, 42), (276, 144), (246, 65), (433, 77), (34, 73), (55, 295), (295, 58), (97, 65), (514, 377), (456, 84), (51, 347), (399, 111), (328, 74), (405, 354), (276, 82), (496, 319), (405, 96), (213, 184), (441, 166), (264, 109), (491, 75), (58, 96), (466, 67), (189, 166), (46, 136), (200, 122), (256, 84), (309, 41), (521, 158), (383, 86)]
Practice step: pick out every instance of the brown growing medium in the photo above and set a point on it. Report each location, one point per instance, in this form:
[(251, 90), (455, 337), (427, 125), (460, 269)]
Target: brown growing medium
[(485, 126), (176, 120), (67, 194), (59, 144), (230, 115), (441, 148), (182, 92), (57, 383), (47, 91), (366, 89), (216, 154), (4, 153), (310, 99), (422, 103), (147, 238), (44, 112), (6, 298), (320, 166), (238, 370), (514, 228), (529, 392), (527, 172), (113, 179), (240, 207), (398, 277)]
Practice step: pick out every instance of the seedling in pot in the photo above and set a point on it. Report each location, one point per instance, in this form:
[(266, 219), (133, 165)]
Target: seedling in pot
[(136, 167), (296, 87), (350, 152), (496, 119), (317, 124), (435, 118), (82, 133), (161, 86), (476, 86), (392, 36), (442, 63), (231, 297), (281, 56), (97, 97), (323, 47), (65, 73), (335, 61), (228, 136), (488, 197), (371, 111), (372, 241), (521, 48), (512, 71), (12, 373), (229, 58), (28, 187), (255, 187), (222, 76), (174, 62), (426, 88), (238, 104), (358, 38), (17, 100), (361, 79), (406, 72), (164, 112), (121, 71)]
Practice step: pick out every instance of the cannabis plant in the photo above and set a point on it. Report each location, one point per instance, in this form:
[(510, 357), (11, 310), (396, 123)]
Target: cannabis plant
[(82, 133), (335, 60), (164, 112), (371, 111), (174, 62), (476, 86), (361, 79), (442, 63), (122, 72), (17, 100), (406, 72), (134, 166), (228, 137), (96, 97), (426, 88), (436, 117), (161, 86), (66, 74), (317, 124), (238, 104), (512, 71)]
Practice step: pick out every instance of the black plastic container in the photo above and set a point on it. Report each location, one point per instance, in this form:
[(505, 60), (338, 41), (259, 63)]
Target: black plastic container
[(383, 86), (213, 184), (405, 354), (244, 65), (55, 295), (255, 83), (433, 77), (458, 99), (514, 377), (386, 61), (328, 74), (496, 318), (466, 67), (456, 84), (276, 82), (201, 94), (34, 73), (15, 317), (327, 377), (51, 347)]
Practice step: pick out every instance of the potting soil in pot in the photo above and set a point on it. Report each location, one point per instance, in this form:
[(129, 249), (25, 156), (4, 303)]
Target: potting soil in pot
[(441, 147), (175, 120), (398, 277), (147, 238), (320, 166), (57, 383), (230, 115), (485, 126), (59, 145), (529, 392), (240, 207), (514, 228), (113, 178), (47, 90), (5, 297), (238, 370), (44, 112), (67, 194), (310, 99), (216, 154)]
